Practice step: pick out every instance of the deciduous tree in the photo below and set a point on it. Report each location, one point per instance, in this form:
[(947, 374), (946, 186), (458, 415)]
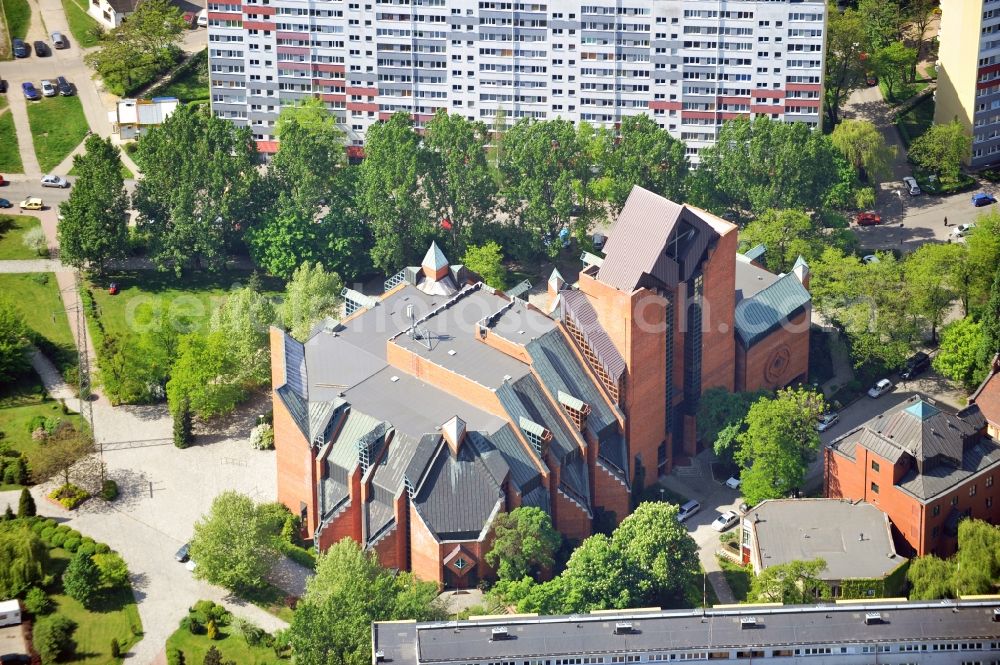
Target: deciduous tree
[(312, 294), (660, 551), (863, 145), (200, 187), (792, 583), (207, 374), (390, 195), (928, 272), (646, 155), (63, 448), (525, 543), (244, 318), (720, 410), (990, 345), (892, 63), (977, 562), (487, 261), (845, 70), (958, 355), (883, 21), (93, 224), (787, 234), (14, 341), (23, 558), (779, 443), (350, 590), (112, 568), (82, 579), (941, 150), (931, 578), (232, 544)]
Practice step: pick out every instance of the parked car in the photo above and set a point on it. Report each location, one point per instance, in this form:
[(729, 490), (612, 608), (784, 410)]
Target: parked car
[(184, 553), (725, 520), (2, 181), (59, 40), (55, 181), (982, 199), (599, 240), (3, 85), (917, 364), (869, 258), (4, 203), (961, 230), (65, 87), (48, 89), (30, 92), (31, 203), (911, 186), (20, 48), (203, 18), (869, 218), (42, 49), (880, 388), (687, 510), (733, 483), (826, 421), (871, 80)]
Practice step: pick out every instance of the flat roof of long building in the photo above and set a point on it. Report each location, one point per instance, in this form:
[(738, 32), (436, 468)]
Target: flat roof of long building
[(410, 643)]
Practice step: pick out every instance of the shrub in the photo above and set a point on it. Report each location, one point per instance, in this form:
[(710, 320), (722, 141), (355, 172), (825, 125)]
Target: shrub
[(212, 657), (72, 545), (262, 437), (82, 580), (175, 656), (58, 539), (109, 490), (116, 649), (211, 630), (87, 548), (253, 635), (210, 611), (70, 496), (193, 625), (53, 638), (37, 602), (101, 548), (36, 423), (35, 240), (183, 424), (63, 529), (47, 533), (39, 527)]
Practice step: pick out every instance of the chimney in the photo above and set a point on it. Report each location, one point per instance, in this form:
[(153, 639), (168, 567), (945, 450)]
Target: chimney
[(454, 434), (435, 265), (801, 270)]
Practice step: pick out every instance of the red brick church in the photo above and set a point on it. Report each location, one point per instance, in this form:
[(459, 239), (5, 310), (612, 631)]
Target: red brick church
[(410, 423)]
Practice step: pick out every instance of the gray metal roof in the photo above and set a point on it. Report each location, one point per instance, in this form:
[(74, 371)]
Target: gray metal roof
[(943, 477), (751, 279), (454, 345), (434, 258), (524, 465), (756, 252), (298, 408), (829, 529), (295, 366), (391, 469), (654, 238), (521, 324), (574, 304), (613, 450), (560, 369), (344, 451), (538, 498), (758, 315), (547, 637), (460, 494), (421, 458)]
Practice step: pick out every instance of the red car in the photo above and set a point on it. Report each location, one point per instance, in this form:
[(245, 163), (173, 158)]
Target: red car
[(868, 219), (2, 181)]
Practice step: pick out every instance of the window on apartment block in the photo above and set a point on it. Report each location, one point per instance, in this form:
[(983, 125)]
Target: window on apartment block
[(935, 531), (874, 465), (989, 481), (972, 491), (935, 511), (989, 502), (954, 501), (875, 488)]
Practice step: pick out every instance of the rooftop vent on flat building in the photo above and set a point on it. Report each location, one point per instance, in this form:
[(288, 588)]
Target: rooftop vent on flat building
[(872, 617), (748, 622), (379, 656), (499, 633), (996, 613), (623, 627)]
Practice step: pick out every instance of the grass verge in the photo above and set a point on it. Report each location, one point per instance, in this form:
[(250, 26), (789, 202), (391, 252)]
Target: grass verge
[(232, 646), (190, 81), (10, 155), (738, 578), (12, 230), (57, 127), (271, 599), (18, 13), (37, 296), (916, 121), (81, 25), (14, 421)]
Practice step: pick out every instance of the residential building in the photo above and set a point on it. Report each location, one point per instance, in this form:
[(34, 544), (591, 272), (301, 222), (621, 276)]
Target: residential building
[(690, 64), (111, 13), (132, 117), (969, 74), (894, 633), (925, 466), (987, 398), (854, 539), (410, 423)]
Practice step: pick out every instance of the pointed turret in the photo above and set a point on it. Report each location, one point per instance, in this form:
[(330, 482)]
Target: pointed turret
[(454, 433), (435, 265)]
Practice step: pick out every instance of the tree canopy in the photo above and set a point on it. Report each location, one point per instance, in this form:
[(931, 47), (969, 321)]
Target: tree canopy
[(312, 294), (487, 262), (958, 354), (973, 570), (778, 444), (844, 67), (14, 341), (525, 543), (941, 150), (23, 558), (82, 579), (720, 417), (350, 590), (244, 319), (792, 583), (646, 155), (208, 374), (863, 145), (233, 544), (93, 224)]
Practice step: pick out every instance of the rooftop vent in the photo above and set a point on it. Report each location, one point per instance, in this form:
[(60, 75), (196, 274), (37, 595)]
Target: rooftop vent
[(623, 627), (996, 613), (747, 623), (379, 656), (872, 617), (451, 352), (499, 633), (394, 379)]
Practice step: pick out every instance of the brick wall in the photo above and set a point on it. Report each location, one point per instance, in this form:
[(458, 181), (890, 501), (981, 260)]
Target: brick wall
[(505, 346), (610, 494), (425, 551), (757, 367), (718, 341)]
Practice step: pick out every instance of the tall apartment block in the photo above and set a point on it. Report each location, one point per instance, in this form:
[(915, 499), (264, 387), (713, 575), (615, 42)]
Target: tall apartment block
[(969, 74), (690, 64)]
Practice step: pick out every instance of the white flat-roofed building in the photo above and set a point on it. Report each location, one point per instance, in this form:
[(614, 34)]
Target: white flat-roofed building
[(133, 116)]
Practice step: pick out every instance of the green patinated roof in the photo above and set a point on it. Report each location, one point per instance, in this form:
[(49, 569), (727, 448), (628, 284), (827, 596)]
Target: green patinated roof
[(758, 315)]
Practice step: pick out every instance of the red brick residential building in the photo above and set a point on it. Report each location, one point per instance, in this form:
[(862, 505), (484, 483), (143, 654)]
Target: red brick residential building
[(412, 422), (987, 398), (925, 467)]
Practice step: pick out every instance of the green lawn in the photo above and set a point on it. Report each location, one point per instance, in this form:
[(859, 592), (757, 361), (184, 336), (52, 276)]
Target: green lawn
[(233, 647), (18, 14), (272, 600), (738, 578), (10, 155), (114, 617), (81, 25), (57, 127), (147, 295), (37, 296), (14, 421), (12, 230), (916, 121), (3, 102), (191, 83)]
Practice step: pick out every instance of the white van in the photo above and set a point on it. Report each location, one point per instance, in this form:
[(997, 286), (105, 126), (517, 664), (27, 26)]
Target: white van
[(203, 18)]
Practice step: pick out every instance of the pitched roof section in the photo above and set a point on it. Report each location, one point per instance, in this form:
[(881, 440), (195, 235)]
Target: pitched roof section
[(763, 312), (943, 477), (578, 309), (756, 252), (656, 238), (987, 395), (434, 258)]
